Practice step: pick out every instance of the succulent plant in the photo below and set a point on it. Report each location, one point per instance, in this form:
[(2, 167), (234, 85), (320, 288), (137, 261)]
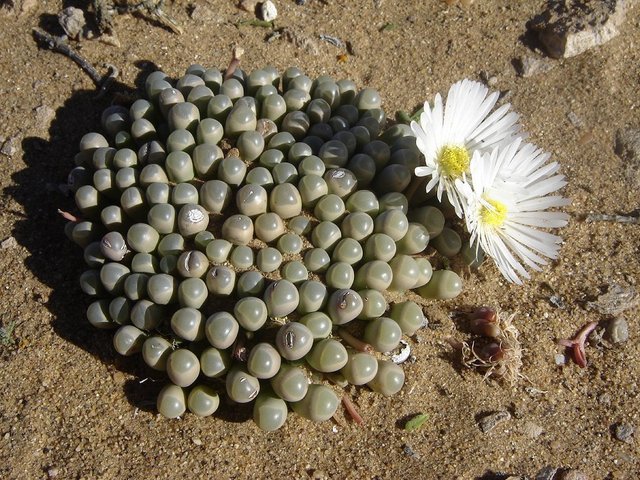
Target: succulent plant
[(232, 225)]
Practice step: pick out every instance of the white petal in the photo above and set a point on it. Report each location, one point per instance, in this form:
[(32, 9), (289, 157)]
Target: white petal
[(541, 219), (423, 171), (432, 183), (542, 203)]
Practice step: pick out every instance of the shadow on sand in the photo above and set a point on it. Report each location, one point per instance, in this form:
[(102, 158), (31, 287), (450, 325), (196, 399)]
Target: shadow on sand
[(58, 262), (53, 258)]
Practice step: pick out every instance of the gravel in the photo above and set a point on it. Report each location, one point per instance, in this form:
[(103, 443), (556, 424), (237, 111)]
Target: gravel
[(546, 473), (492, 420), (617, 330), (623, 431)]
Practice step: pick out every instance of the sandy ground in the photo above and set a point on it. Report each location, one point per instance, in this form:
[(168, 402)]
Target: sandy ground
[(72, 408)]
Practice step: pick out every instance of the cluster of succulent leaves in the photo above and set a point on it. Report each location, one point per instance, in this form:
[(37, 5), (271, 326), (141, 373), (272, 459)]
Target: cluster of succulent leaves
[(244, 234)]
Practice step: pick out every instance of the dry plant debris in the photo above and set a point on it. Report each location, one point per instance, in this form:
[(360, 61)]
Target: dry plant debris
[(7, 338), (105, 10), (497, 352), (59, 45)]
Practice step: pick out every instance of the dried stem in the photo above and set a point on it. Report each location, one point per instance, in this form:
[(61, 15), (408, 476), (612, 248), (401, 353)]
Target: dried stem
[(59, 45), (603, 217), (355, 342), (351, 409)]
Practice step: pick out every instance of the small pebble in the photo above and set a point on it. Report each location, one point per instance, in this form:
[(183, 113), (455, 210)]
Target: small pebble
[(492, 420), (268, 11), (604, 399), (8, 148), (560, 359), (557, 301), (572, 475), (407, 450), (575, 120), (197, 441), (25, 6), (44, 115), (505, 94), (488, 79), (203, 14), (8, 242), (52, 472), (72, 21), (528, 66), (627, 147), (617, 330), (248, 5), (533, 430), (317, 475), (628, 144), (546, 473), (623, 431)]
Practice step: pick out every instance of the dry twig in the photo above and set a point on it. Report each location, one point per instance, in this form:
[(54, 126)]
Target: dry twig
[(59, 45), (351, 409), (355, 342), (604, 217)]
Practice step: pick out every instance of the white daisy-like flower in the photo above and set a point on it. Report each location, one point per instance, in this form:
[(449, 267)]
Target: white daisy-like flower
[(449, 136), (506, 202)]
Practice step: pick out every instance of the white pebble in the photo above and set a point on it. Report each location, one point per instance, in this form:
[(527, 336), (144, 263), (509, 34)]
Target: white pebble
[(532, 430), (8, 242), (268, 11)]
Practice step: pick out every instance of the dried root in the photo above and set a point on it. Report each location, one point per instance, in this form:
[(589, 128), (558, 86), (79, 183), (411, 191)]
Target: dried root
[(501, 357)]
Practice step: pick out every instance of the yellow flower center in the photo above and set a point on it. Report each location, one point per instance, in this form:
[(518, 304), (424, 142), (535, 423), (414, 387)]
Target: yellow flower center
[(454, 161), (495, 214)]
